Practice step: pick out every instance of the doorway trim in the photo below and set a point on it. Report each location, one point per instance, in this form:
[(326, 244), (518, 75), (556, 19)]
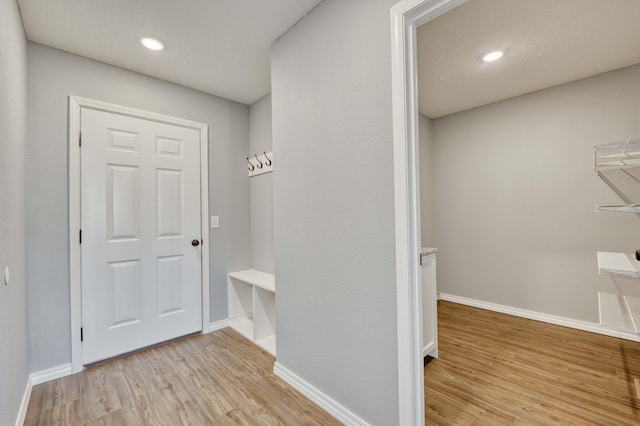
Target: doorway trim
[(406, 17), (75, 277)]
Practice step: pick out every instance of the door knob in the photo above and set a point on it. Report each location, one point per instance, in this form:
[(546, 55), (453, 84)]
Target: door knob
[(195, 243)]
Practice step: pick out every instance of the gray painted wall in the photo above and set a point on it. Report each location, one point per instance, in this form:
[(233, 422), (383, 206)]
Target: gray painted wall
[(53, 76), (334, 205), (261, 188), (426, 182), (515, 193), (14, 340)]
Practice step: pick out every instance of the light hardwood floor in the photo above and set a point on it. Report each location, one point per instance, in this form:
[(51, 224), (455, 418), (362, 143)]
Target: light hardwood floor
[(215, 379), (493, 369), (497, 369)]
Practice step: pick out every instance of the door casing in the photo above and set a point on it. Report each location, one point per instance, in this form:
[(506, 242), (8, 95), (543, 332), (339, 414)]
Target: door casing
[(76, 104), (406, 17)]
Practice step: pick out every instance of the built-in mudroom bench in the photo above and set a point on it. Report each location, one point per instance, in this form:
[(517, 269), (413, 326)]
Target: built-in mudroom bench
[(252, 307)]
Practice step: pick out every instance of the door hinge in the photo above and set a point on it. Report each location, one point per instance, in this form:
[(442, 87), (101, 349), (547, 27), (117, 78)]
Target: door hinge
[(82, 334), (80, 235), (420, 257), (80, 139)]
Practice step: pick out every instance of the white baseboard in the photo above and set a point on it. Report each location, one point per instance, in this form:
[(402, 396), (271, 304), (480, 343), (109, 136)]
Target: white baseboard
[(22, 413), (428, 349), (542, 317), (38, 378), (49, 374), (218, 325), (322, 400)]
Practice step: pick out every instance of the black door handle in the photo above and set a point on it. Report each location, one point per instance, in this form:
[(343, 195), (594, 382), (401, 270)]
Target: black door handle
[(195, 243)]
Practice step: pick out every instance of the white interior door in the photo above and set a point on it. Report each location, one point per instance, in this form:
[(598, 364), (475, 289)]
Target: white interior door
[(140, 218)]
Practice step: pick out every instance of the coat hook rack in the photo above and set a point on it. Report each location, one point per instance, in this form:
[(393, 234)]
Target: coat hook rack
[(259, 164)]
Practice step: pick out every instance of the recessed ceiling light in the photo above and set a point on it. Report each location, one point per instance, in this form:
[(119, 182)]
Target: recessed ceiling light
[(493, 56), (152, 43)]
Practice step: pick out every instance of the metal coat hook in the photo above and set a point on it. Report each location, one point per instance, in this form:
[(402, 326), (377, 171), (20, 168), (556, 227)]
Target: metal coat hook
[(260, 163), (258, 160)]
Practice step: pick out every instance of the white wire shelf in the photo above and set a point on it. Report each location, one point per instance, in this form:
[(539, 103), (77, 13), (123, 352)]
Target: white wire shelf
[(617, 155), (619, 312), (618, 263), (624, 208), (618, 165)]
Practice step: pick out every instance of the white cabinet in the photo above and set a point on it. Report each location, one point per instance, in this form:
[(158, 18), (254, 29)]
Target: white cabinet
[(252, 307), (429, 304)]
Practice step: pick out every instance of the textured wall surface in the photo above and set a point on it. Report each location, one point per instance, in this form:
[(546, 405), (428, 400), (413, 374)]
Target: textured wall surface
[(262, 256), (426, 182), (53, 76), (14, 336), (334, 205)]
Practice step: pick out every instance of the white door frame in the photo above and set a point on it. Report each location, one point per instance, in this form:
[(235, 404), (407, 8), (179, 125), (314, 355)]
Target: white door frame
[(75, 106), (406, 16)]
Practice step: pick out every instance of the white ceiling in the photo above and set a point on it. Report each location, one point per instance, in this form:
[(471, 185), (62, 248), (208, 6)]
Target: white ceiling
[(221, 47), (547, 42)]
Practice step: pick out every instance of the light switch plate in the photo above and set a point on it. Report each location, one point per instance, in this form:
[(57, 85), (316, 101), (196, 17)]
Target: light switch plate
[(215, 222)]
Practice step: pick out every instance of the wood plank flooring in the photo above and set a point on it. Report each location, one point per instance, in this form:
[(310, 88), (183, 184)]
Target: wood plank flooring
[(497, 369), (215, 379), (493, 369)]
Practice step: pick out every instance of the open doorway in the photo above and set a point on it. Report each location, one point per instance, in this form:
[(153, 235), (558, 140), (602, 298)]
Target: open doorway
[(508, 189), (512, 192)]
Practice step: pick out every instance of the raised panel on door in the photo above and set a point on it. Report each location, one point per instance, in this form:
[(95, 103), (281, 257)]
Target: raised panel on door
[(123, 293), (170, 200), (169, 147), (170, 285), (141, 277), (122, 140), (123, 209)]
